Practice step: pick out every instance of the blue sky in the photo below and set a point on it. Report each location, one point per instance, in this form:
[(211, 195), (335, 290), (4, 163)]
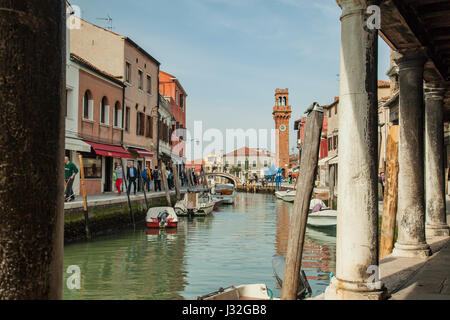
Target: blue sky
[(231, 55)]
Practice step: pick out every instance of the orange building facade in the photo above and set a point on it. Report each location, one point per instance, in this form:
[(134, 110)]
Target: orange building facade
[(100, 101), (172, 90)]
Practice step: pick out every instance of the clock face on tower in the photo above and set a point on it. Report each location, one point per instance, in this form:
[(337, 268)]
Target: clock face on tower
[(282, 128)]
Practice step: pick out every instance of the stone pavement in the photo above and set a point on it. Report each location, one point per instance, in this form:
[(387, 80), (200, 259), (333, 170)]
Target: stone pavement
[(431, 281), (415, 278), (420, 279)]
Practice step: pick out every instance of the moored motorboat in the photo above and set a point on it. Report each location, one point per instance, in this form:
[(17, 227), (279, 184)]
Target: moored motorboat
[(289, 196), (161, 217), (243, 292), (323, 219), (224, 192), (197, 203), (280, 194)]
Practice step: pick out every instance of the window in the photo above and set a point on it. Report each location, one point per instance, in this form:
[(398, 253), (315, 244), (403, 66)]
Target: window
[(141, 80), (265, 163), (334, 142), (104, 111), (329, 144), (254, 164), (239, 164), (128, 72), (140, 124), (117, 115), (329, 113), (92, 166), (149, 84), (181, 101), (87, 106), (149, 127), (127, 119)]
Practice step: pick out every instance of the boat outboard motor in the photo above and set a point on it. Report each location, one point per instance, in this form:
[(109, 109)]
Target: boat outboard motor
[(162, 218), (304, 289)]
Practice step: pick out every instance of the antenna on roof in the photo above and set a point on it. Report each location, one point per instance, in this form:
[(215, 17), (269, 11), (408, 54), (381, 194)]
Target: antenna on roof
[(109, 20)]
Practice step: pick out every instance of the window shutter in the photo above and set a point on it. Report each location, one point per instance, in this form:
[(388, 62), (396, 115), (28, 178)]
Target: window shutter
[(107, 115), (91, 109), (119, 119)]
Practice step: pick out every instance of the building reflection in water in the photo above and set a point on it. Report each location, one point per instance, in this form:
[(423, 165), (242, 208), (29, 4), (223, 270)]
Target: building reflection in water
[(233, 246), (134, 265), (319, 255)]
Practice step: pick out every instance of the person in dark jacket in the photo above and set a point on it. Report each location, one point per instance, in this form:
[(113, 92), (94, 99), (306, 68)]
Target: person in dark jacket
[(156, 174), (71, 171), (132, 175)]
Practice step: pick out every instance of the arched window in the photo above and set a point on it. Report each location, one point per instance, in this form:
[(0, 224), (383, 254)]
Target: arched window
[(104, 111), (280, 101), (87, 105), (117, 115), (284, 101)]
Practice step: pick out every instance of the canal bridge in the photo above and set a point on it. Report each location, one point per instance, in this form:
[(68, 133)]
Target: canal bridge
[(228, 176)]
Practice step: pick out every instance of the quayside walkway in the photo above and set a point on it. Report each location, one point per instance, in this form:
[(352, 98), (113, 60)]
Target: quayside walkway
[(420, 279), (113, 198)]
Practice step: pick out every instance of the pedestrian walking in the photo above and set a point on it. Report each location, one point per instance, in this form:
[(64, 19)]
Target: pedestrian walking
[(119, 178), (156, 174), (171, 184), (71, 171), (146, 176), (132, 175)]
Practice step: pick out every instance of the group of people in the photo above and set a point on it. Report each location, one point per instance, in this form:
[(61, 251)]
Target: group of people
[(132, 176), (147, 175)]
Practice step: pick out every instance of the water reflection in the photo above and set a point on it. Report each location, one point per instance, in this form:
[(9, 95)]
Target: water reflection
[(233, 246), (319, 250)]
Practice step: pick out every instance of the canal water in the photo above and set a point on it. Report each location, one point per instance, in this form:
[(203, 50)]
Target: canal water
[(233, 246)]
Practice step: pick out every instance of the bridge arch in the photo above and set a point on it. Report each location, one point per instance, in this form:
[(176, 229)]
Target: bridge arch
[(236, 180)]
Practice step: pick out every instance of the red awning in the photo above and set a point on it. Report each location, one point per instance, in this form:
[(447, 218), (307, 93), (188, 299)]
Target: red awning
[(109, 150), (142, 152)]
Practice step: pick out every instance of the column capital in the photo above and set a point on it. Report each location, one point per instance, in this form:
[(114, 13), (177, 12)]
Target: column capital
[(435, 90), (413, 58)]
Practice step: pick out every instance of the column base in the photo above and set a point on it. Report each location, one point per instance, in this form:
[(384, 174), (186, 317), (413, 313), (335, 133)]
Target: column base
[(345, 290), (411, 250), (437, 230)]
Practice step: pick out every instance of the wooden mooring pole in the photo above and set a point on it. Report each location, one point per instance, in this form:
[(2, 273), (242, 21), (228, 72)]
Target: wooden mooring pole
[(128, 194), (177, 181), (83, 191), (332, 179), (390, 195), (305, 186), (143, 185), (165, 184)]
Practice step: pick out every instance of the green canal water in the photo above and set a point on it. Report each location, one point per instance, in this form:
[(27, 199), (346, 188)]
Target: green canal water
[(233, 246)]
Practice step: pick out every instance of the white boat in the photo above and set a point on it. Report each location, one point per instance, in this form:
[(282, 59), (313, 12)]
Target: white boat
[(161, 217), (323, 219), (243, 292), (289, 196), (224, 192), (197, 203), (280, 194)]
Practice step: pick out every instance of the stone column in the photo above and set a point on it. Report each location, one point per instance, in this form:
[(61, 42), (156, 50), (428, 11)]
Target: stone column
[(436, 220), (357, 227), (411, 212)]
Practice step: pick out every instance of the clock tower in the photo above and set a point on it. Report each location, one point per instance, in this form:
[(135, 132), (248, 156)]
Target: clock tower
[(282, 114)]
